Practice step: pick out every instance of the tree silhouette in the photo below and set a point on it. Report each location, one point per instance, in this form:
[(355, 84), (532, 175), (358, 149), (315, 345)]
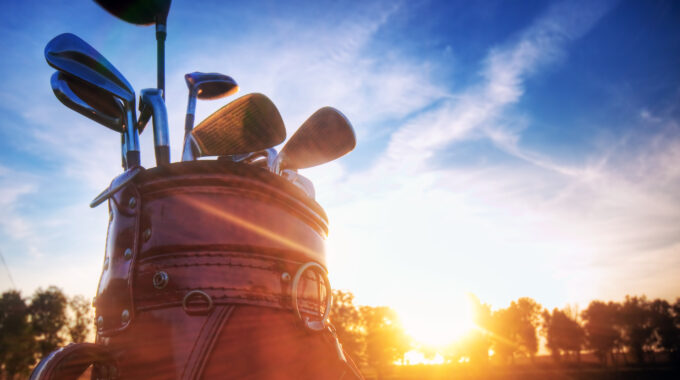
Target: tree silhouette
[(48, 314), (514, 329), (562, 333), (666, 331), (600, 325), (80, 323), (385, 338), (635, 319), (347, 320), (17, 342)]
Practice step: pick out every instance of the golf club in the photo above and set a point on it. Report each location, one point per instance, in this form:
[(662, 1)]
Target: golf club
[(203, 86), (115, 185), (323, 137), (263, 157), (151, 102), (145, 12), (99, 106), (298, 180), (248, 124), (73, 56)]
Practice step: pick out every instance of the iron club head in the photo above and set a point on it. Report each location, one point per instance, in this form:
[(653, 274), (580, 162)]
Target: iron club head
[(73, 56), (323, 137), (88, 101), (249, 123)]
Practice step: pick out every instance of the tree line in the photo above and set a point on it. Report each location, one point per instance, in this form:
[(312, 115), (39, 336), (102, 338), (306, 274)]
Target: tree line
[(636, 330), (32, 328)]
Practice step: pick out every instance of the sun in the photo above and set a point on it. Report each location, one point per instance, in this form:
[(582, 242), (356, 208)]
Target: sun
[(438, 324)]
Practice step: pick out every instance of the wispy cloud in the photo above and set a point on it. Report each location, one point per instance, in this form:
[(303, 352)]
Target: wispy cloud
[(521, 223)]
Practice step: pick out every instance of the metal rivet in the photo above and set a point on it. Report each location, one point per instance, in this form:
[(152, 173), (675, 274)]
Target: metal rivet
[(160, 280), (133, 202), (106, 263), (147, 234), (125, 316), (100, 322), (285, 276), (127, 254)]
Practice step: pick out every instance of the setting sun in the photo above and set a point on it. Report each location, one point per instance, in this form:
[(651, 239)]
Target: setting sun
[(440, 326)]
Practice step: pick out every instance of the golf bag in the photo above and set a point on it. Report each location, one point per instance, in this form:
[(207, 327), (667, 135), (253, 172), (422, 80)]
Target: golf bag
[(213, 270)]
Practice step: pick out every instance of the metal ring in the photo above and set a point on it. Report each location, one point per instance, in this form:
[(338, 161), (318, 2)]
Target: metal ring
[(312, 325), (197, 311)]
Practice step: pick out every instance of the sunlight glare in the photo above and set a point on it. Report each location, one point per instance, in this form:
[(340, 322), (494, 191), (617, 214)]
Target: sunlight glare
[(441, 324), (415, 357)]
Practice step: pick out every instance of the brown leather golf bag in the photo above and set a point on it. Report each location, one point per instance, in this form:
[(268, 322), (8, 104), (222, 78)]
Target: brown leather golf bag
[(213, 270)]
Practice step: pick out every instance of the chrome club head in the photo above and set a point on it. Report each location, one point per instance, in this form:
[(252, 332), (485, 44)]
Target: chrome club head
[(73, 56), (203, 86), (248, 124), (323, 137), (88, 101)]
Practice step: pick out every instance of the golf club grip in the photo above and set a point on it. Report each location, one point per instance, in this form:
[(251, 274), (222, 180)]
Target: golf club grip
[(162, 155)]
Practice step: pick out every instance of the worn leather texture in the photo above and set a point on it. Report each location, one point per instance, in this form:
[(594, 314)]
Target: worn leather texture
[(198, 277)]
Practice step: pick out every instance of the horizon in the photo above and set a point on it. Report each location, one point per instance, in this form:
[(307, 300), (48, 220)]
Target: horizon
[(504, 150)]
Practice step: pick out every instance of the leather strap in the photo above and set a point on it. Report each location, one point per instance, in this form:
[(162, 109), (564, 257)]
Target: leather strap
[(226, 278), (205, 342)]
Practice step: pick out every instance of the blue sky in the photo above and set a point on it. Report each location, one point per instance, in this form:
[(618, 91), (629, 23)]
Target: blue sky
[(505, 148)]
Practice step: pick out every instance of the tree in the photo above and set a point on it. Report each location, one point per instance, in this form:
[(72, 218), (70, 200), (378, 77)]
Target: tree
[(562, 333), (48, 313), (600, 326), (666, 332), (635, 319), (17, 341), (346, 318), (514, 329), (386, 341), (80, 323)]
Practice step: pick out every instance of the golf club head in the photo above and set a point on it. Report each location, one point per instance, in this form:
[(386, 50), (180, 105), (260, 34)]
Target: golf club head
[(203, 86), (298, 180), (210, 85), (70, 54), (151, 102), (73, 56), (88, 101), (139, 12), (249, 123), (323, 137)]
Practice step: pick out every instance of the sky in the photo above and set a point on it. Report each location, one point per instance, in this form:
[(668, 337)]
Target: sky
[(505, 149)]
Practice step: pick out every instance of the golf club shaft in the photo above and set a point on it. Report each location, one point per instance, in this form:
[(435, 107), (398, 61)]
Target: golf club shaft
[(160, 56), (187, 153)]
